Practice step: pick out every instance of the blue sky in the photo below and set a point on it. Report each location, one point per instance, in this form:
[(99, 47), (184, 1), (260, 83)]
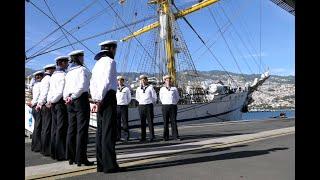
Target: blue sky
[(277, 34)]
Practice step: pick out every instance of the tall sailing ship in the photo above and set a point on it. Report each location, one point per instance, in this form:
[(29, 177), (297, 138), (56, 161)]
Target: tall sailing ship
[(165, 51)]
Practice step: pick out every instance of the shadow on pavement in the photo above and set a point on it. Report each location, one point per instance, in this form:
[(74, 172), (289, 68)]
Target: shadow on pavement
[(225, 156)]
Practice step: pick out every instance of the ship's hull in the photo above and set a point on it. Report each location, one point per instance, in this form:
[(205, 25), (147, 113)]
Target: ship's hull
[(222, 108)]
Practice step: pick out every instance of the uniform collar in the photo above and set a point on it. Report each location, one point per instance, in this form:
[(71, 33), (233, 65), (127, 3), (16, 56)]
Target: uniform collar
[(46, 73), (121, 88), (73, 66), (144, 87), (60, 69)]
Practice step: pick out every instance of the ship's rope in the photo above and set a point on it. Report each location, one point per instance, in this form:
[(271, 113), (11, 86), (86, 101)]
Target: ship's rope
[(209, 49), (73, 30), (241, 39), (238, 35), (92, 37), (228, 46), (232, 39), (260, 24), (184, 58), (61, 27), (244, 27), (225, 27), (125, 59), (117, 14), (58, 24), (68, 21)]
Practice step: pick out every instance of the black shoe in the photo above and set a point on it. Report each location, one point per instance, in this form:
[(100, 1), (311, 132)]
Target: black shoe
[(71, 162), (86, 163), (177, 139), (165, 139), (142, 140), (61, 159)]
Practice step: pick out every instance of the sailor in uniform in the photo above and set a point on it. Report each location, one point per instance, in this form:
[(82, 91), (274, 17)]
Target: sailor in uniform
[(146, 96), (76, 96), (169, 97), (58, 109), (103, 86), (36, 135), (45, 111), (123, 100)]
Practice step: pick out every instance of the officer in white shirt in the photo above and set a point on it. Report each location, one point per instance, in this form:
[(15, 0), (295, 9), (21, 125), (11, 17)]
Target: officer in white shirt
[(45, 111), (146, 96), (59, 113), (169, 97), (103, 87), (76, 96), (123, 100), (36, 135)]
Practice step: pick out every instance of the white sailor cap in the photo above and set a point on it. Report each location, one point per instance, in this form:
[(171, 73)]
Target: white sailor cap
[(120, 77), (166, 77), (75, 52), (38, 72), (143, 76), (49, 66), (61, 57), (107, 42)]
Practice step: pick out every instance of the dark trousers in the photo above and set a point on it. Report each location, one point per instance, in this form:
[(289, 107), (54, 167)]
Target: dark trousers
[(59, 130), (107, 133), (146, 112), (122, 114), (78, 127), (36, 135), (169, 112), (46, 131)]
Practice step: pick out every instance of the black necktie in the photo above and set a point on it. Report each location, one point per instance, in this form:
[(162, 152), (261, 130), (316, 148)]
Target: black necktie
[(120, 88), (144, 88)]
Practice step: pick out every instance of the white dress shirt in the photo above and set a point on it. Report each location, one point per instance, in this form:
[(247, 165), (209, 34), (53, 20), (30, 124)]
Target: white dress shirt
[(104, 78), (57, 82), (44, 89), (169, 95), (76, 82), (123, 95), (146, 96), (35, 93)]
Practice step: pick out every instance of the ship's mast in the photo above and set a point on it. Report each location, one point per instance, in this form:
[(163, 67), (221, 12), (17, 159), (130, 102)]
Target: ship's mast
[(168, 44), (166, 24)]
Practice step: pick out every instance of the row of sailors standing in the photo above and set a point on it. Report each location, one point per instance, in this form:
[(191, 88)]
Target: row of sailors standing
[(62, 110)]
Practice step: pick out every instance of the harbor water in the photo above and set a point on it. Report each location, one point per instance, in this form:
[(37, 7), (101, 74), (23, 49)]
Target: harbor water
[(260, 115)]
